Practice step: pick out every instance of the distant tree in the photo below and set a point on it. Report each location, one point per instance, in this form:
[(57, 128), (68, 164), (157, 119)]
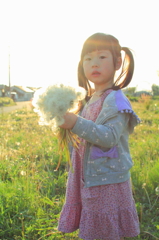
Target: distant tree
[(130, 91), (155, 90)]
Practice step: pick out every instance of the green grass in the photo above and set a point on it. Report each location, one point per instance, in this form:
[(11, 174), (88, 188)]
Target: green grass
[(144, 145), (32, 193)]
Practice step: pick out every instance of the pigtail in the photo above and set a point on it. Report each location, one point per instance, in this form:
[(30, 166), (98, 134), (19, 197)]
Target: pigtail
[(127, 70), (83, 81)]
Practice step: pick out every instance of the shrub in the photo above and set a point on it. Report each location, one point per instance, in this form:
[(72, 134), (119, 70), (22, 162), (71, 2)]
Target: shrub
[(6, 101)]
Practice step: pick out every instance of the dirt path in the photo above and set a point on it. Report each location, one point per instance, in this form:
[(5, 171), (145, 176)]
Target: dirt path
[(18, 105)]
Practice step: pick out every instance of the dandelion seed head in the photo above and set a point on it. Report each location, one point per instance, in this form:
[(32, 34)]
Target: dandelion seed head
[(23, 173), (157, 190), (53, 102), (143, 185)]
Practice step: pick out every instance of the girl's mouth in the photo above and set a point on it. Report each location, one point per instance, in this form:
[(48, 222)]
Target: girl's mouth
[(95, 73)]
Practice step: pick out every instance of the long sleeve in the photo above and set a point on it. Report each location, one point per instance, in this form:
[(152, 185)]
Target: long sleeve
[(105, 135)]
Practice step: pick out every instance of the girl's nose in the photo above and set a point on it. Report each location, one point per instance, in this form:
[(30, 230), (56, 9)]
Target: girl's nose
[(95, 62)]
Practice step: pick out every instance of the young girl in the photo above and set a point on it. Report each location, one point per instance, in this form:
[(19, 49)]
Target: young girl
[(99, 199)]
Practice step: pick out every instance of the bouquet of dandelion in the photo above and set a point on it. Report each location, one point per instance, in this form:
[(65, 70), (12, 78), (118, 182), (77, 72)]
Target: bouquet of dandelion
[(51, 104)]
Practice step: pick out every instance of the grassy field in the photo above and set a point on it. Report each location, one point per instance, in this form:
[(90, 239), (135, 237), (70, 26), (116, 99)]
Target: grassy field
[(32, 192)]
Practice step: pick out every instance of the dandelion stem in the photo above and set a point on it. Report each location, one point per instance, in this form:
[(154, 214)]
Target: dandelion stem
[(154, 203), (148, 197)]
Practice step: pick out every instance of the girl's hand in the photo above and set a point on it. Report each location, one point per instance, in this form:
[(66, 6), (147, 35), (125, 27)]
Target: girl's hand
[(70, 120)]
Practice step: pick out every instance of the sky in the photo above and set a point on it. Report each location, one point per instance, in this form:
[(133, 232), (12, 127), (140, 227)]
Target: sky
[(44, 38)]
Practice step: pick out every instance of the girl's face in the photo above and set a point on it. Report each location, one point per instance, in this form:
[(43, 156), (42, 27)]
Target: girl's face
[(99, 69)]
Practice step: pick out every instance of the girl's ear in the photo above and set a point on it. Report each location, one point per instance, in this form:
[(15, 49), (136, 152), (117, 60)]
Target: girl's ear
[(118, 63)]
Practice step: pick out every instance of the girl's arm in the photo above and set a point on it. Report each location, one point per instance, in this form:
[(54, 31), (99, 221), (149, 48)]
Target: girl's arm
[(106, 135)]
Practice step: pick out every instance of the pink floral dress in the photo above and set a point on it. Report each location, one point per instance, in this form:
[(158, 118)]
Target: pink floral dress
[(104, 212)]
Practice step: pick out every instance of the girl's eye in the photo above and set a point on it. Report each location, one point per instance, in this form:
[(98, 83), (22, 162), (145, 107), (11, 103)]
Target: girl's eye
[(102, 57), (87, 59)]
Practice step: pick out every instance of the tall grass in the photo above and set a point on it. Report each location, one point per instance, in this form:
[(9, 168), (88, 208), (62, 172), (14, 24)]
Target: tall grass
[(32, 193)]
